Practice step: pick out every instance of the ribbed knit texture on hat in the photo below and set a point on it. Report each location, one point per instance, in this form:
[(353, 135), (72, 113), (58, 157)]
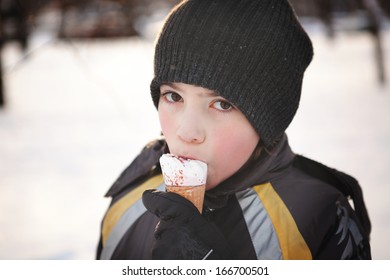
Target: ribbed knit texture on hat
[(252, 52)]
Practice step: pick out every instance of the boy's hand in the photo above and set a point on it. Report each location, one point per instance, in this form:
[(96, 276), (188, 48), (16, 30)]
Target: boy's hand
[(182, 232)]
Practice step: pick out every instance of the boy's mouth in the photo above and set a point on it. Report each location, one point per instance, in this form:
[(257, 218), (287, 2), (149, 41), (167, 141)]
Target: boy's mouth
[(188, 157)]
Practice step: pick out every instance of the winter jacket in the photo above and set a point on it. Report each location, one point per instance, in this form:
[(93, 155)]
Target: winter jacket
[(284, 206)]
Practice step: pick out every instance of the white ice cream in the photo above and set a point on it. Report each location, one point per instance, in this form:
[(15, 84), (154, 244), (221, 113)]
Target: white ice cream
[(183, 172)]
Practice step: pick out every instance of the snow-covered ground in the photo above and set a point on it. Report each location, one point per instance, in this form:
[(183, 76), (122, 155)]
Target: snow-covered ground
[(78, 112)]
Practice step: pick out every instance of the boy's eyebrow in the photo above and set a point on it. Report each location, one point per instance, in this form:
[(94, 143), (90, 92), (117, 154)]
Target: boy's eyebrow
[(172, 85), (209, 92)]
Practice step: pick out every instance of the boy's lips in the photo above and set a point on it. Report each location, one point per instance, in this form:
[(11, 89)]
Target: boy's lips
[(189, 157)]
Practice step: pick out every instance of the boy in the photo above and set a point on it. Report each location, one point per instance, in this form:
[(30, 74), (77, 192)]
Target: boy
[(227, 83)]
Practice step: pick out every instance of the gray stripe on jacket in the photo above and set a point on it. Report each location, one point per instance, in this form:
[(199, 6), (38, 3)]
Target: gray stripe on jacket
[(124, 223), (261, 229)]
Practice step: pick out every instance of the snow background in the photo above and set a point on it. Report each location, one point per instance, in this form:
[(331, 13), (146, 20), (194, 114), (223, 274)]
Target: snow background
[(78, 112)]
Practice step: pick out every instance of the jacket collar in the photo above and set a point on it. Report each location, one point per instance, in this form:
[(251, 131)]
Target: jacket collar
[(143, 166), (269, 166)]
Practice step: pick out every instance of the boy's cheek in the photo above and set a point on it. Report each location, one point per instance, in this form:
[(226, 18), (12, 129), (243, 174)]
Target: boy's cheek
[(231, 152), (166, 123)]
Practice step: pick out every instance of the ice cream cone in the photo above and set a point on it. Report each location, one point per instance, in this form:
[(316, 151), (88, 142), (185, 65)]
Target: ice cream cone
[(185, 177)]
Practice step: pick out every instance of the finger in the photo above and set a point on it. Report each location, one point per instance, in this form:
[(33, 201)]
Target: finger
[(167, 205)]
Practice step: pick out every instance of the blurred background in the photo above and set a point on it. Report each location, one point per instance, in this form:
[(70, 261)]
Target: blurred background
[(75, 110)]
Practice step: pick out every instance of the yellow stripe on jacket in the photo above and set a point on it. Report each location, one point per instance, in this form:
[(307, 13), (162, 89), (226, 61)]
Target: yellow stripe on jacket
[(292, 243), (118, 208)]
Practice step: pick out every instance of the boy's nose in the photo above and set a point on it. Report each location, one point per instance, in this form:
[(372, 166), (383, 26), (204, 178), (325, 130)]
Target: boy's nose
[(191, 130)]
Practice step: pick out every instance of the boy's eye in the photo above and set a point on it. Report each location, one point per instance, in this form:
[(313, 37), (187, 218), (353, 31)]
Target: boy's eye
[(222, 105), (172, 97)]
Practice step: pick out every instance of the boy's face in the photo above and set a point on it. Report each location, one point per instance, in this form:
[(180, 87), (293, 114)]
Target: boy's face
[(198, 124)]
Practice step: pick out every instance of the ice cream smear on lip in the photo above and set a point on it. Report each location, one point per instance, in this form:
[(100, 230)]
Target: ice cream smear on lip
[(179, 171), (186, 177)]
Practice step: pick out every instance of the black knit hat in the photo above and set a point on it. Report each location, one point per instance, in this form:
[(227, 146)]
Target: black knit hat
[(252, 52)]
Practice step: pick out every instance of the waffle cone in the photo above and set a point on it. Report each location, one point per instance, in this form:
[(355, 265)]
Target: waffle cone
[(195, 194)]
